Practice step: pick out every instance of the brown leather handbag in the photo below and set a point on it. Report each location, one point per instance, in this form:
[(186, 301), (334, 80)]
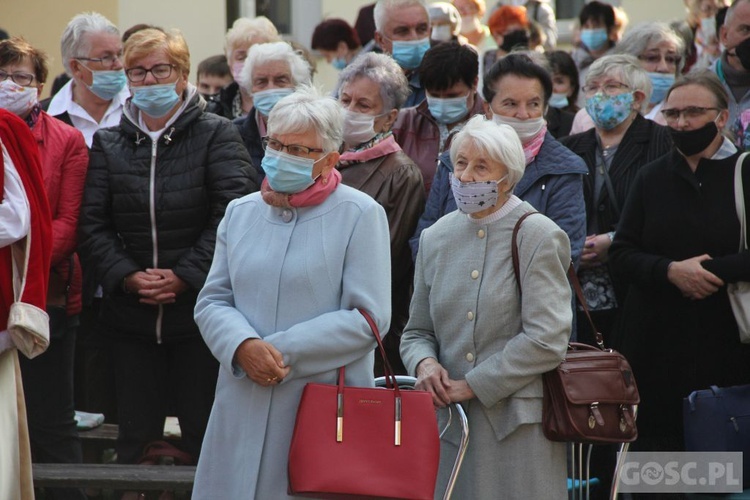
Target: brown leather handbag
[(592, 396)]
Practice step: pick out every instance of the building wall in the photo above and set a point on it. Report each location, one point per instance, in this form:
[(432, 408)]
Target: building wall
[(41, 22)]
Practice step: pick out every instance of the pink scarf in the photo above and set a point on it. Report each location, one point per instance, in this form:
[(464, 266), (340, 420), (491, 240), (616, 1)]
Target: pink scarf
[(531, 148), (314, 195), (378, 148)]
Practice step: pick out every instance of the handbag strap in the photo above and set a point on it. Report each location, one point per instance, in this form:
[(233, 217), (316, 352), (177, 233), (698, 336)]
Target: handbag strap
[(739, 200), (572, 278), (19, 275), (604, 172)]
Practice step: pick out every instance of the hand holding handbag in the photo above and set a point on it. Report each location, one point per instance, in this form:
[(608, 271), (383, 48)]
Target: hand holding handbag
[(592, 396), (739, 293), (364, 442)]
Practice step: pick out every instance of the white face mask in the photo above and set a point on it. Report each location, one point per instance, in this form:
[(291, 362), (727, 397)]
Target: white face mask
[(468, 24), (526, 129), (17, 99), (441, 33), (358, 128), (708, 28)]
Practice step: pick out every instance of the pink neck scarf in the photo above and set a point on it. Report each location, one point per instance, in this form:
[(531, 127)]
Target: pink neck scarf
[(531, 148), (314, 195), (380, 148)]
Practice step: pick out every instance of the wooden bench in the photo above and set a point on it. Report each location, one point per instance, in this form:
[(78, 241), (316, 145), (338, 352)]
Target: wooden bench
[(115, 476), (95, 441)]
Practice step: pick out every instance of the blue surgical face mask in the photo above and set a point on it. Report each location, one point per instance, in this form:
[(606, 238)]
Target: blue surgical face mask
[(409, 54), (594, 39), (107, 84), (448, 110), (609, 111), (473, 197), (155, 100), (265, 100), (339, 63), (287, 173), (660, 83), (558, 101)]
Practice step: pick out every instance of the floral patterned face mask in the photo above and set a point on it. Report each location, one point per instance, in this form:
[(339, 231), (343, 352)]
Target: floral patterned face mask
[(608, 111)]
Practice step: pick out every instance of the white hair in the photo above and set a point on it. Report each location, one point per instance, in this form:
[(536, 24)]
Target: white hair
[(499, 142), (250, 31), (275, 51), (637, 39), (74, 41), (383, 7), (445, 11), (628, 68), (308, 109)]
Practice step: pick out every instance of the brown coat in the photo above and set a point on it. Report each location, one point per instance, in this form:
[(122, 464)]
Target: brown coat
[(395, 182)]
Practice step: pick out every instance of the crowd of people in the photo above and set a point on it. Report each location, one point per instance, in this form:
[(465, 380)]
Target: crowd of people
[(206, 246)]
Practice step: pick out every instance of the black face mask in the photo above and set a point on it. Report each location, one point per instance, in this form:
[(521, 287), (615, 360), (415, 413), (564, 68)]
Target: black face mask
[(743, 53), (690, 142), (514, 39), (211, 97)]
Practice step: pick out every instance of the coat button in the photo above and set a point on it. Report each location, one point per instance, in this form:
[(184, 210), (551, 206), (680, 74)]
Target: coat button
[(469, 357), (470, 316), (474, 274), (602, 207), (286, 215), (481, 233)]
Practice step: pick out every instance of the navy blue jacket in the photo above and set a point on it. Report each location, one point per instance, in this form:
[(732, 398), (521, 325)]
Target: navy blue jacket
[(552, 183)]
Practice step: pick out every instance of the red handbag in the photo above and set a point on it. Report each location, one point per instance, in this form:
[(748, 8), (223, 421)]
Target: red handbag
[(364, 442)]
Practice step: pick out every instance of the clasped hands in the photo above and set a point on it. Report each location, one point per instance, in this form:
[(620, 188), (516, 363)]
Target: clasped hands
[(261, 361), (155, 286), (433, 378), (692, 279), (595, 250)]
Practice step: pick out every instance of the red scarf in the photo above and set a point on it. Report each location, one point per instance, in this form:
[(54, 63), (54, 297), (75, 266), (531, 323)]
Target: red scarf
[(22, 149), (531, 148)]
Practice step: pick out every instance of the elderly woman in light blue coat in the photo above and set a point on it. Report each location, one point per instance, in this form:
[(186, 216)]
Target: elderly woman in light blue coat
[(292, 265), (473, 339)]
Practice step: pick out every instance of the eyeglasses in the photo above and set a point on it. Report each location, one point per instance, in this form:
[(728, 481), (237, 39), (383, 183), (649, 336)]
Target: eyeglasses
[(138, 74), (609, 88), (654, 59), (292, 149), (105, 61), (22, 79), (672, 115)]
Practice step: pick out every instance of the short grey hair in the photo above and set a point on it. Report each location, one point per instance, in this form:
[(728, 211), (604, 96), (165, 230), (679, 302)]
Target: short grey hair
[(642, 35), (308, 109), (499, 142), (251, 31), (383, 7), (74, 41), (385, 72), (275, 51), (626, 67)]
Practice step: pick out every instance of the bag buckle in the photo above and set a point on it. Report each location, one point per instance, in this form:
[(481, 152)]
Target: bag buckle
[(595, 416)]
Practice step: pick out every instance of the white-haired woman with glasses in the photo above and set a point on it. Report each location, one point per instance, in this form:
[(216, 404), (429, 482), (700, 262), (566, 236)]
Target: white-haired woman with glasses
[(372, 89), (271, 71), (661, 53), (156, 189), (279, 308), (472, 338), (617, 89), (677, 247), (620, 143)]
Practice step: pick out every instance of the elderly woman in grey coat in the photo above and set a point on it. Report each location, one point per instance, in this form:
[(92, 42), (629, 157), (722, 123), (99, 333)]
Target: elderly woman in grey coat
[(473, 339), (292, 265)]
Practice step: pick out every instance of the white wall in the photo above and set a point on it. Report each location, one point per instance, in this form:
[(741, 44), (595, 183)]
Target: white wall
[(201, 23)]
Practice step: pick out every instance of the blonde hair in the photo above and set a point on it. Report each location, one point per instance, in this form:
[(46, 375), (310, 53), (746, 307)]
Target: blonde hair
[(250, 31), (144, 42)]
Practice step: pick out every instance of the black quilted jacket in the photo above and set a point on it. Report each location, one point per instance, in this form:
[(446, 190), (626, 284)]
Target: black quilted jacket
[(157, 204)]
